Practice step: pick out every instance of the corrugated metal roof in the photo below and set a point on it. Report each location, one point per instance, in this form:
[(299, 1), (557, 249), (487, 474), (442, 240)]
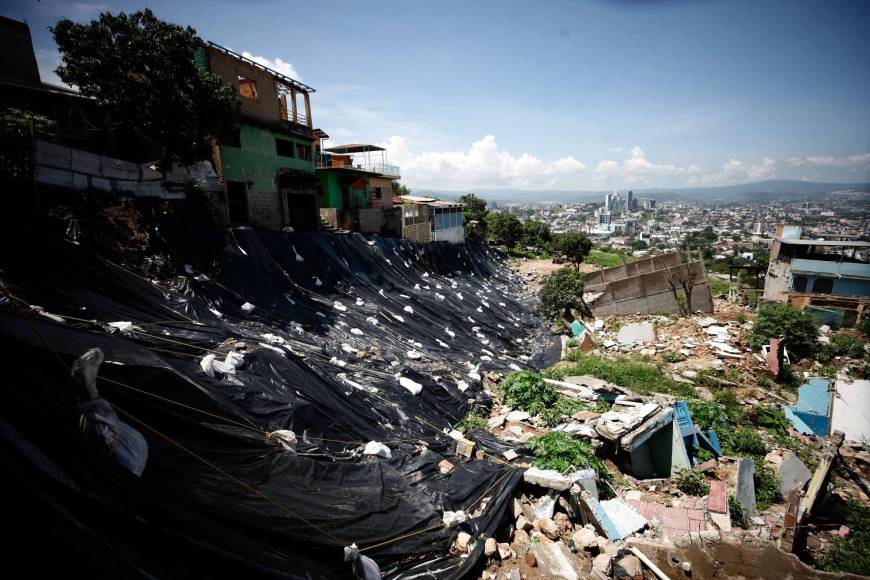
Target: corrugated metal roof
[(796, 242), (830, 268)]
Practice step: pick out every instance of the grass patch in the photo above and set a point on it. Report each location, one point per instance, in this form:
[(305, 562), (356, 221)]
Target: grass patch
[(605, 259), (692, 482), (562, 452), (640, 377), (717, 285), (473, 420), (673, 356)]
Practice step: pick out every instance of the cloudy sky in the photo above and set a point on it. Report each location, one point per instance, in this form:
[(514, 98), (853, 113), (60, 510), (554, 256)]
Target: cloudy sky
[(558, 95)]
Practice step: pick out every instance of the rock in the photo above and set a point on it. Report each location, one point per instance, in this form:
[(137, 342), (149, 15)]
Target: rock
[(496, 421), (564, 522), (552, 479), (686, 566), (504, 551), (462, 541), (445, 467), (517, 508), (531, 560), (554, 561), (490, 547), (510, 455), (628, 566), (602, 563), (585, 539), (514, 431), (521, 537), (608, 547), (514, 574), (548, 527), (523, 523), (515, 416), (690, 374), (240, 346), (634, 495)]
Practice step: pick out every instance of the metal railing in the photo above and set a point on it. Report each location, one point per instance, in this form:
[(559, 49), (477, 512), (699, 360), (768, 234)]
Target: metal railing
[(380, 168)]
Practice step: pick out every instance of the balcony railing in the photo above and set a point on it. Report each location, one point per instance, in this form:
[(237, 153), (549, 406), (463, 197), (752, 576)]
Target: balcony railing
[(379, 168)]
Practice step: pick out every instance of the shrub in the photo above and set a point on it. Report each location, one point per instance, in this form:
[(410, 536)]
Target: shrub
[(673, 356), (864, 327), (692, 482), (771, 418), (572, 343), (473, 420), (561, 292), (852, 552), (562, 452), (738, 516), (744, 441), (797, 328), (841, 344), (766, 486), (564, 407), (526, 390)]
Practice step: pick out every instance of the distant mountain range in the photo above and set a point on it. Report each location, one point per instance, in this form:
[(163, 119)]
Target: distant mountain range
[(760, 191)]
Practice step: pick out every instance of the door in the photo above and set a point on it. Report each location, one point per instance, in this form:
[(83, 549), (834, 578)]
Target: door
[(237, 202)]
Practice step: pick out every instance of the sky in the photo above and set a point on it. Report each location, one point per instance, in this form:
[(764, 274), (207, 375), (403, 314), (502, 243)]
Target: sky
[(576, 95)]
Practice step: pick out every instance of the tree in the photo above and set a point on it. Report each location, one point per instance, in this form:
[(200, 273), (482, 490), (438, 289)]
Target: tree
[(797, 328), (684, 277), (504, 228), (143, 71), (639, 245), (536, 233), (561, 292), (573, 246), (399, 189), (474, 214)]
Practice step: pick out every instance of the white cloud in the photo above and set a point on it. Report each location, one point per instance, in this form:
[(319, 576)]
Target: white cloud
[(484, 164), (48, 60), (851, 162), (734, 171), (615, 149), (277, 65)]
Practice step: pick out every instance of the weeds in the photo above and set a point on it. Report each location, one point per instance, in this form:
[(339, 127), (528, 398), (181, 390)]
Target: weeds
[(639, 377), (562, 452), (473, 420), (852, 552), (673, 356), (692, 482), (766, 486), (743, 441), (564, 407), (526, 390), (738, 516)]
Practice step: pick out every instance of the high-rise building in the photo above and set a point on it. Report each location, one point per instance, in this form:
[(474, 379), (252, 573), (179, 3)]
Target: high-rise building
[(629, 202), (649, 204)]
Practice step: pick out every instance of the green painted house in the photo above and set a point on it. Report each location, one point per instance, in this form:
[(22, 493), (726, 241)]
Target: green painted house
[(268, 168)]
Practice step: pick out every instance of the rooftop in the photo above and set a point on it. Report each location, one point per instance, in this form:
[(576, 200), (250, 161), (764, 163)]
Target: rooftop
[(830, 268), (353, 148), (278, 76), (801, 242)]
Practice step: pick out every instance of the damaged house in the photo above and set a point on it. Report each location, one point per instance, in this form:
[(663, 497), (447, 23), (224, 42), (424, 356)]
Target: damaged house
[(356, 190), (649, 286), (426, 219), (268, 168), (828, 278)]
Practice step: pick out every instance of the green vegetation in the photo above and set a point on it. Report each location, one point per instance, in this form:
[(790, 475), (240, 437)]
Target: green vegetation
[(604, 259), (692, 482), (504, 228), (561, 292), (572, 343), (473, 420), (144, 73), (717, 285), (864, 327), (738, 516), (673, 356), (766, 486), (841, 344), (640, 377), (526, 390), (564, 453), (743, 441), (473, 214), (797, 328), (851, 553), (564, 407), (536, 234), (574, 247), (528, 254), (21, 123)]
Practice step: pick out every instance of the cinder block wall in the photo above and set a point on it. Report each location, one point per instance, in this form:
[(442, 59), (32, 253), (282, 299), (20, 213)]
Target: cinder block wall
[(371, 220), (265, 209), (230, 69)]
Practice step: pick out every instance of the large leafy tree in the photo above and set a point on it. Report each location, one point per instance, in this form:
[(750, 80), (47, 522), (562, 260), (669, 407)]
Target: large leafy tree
[(536, 233), (573, 246), (143, 71), (473, 214), (797, 328), (561, 292), (504, 228)]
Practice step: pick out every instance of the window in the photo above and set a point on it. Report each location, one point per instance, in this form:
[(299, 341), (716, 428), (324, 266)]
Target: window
[(823, 286), (248, 88), (303, 152), (377, 193), (284, 148), (799, 284)]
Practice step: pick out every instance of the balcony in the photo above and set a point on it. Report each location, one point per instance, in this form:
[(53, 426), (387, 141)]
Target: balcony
[(341, 161)]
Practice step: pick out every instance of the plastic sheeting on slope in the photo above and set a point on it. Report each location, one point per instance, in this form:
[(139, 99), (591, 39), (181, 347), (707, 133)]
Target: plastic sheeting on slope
[(466, 315)]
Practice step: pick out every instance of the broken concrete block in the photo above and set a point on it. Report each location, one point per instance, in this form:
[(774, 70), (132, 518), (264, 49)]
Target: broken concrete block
[(791, 471), (548, 527), (463, 539), (585, 539), (445, 467), (521, 537), (504, 551), (514, 574), (554, 561), (637, 333), (523, 523), (552, 479), (490, 547), (628, 566), (510, 455), (633, 495), (602, 563), (464, 448), (718, 498), (515, 416), (497, 421), (745, 491)]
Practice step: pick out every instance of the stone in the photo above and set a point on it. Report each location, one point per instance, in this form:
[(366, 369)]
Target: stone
[(791, 471), (514, 431), (531, 560), (633, 495), (552, 479), (445, 467), (510, 455), (514, 574), (517, 508), (497, 421), (515, 416), (628, 566), (585, 539), (548, 527), (554, 561), (240, 346), (608, 547), (521, 537), (637, 333), (602, 563), (523, 523), (564, 522), (462, 541), (490, 547), (504, 551)]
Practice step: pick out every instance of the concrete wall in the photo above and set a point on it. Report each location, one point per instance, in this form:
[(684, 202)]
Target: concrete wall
[(776, 283), (264, 209), (386, 186), (415, 223), (256, 160), (330, 216), (371, 220), (645, 293)]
